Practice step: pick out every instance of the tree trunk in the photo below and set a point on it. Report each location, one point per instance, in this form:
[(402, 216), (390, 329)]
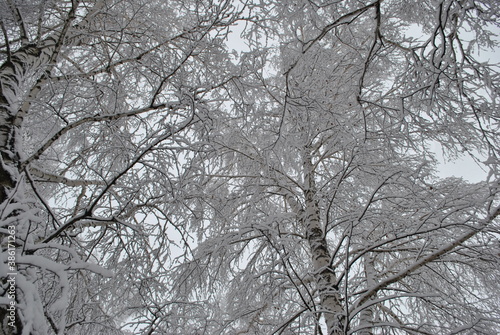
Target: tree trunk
[(15, 74), (17, 80), (325, 276), (366, 315)]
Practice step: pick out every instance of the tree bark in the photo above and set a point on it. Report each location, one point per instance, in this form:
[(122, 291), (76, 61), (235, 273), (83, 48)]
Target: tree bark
[(366, 315), (14, 75), (326, 279), (24, 68)]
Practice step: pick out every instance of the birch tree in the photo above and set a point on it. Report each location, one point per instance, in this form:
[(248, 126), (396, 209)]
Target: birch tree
[(157, 183), (100, 111), (333, 219)]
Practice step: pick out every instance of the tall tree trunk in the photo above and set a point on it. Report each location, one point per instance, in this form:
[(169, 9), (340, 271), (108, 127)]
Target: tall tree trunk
[(325, 276), (366, 315), (18, 85), (15, 74), (21, 79)]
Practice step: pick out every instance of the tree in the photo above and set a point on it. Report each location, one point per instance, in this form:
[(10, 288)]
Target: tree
[(332, 214), (159, 183), (100, 113)]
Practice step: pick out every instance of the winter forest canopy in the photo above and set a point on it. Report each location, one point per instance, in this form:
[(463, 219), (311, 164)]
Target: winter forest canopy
[(155, 181)]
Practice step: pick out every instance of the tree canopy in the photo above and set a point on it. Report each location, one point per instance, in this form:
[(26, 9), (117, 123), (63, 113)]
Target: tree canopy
[(248, 167)]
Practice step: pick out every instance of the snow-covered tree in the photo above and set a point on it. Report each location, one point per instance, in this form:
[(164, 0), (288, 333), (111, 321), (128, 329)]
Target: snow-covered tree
[(100, 111), (333, 219), (157, 182)]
